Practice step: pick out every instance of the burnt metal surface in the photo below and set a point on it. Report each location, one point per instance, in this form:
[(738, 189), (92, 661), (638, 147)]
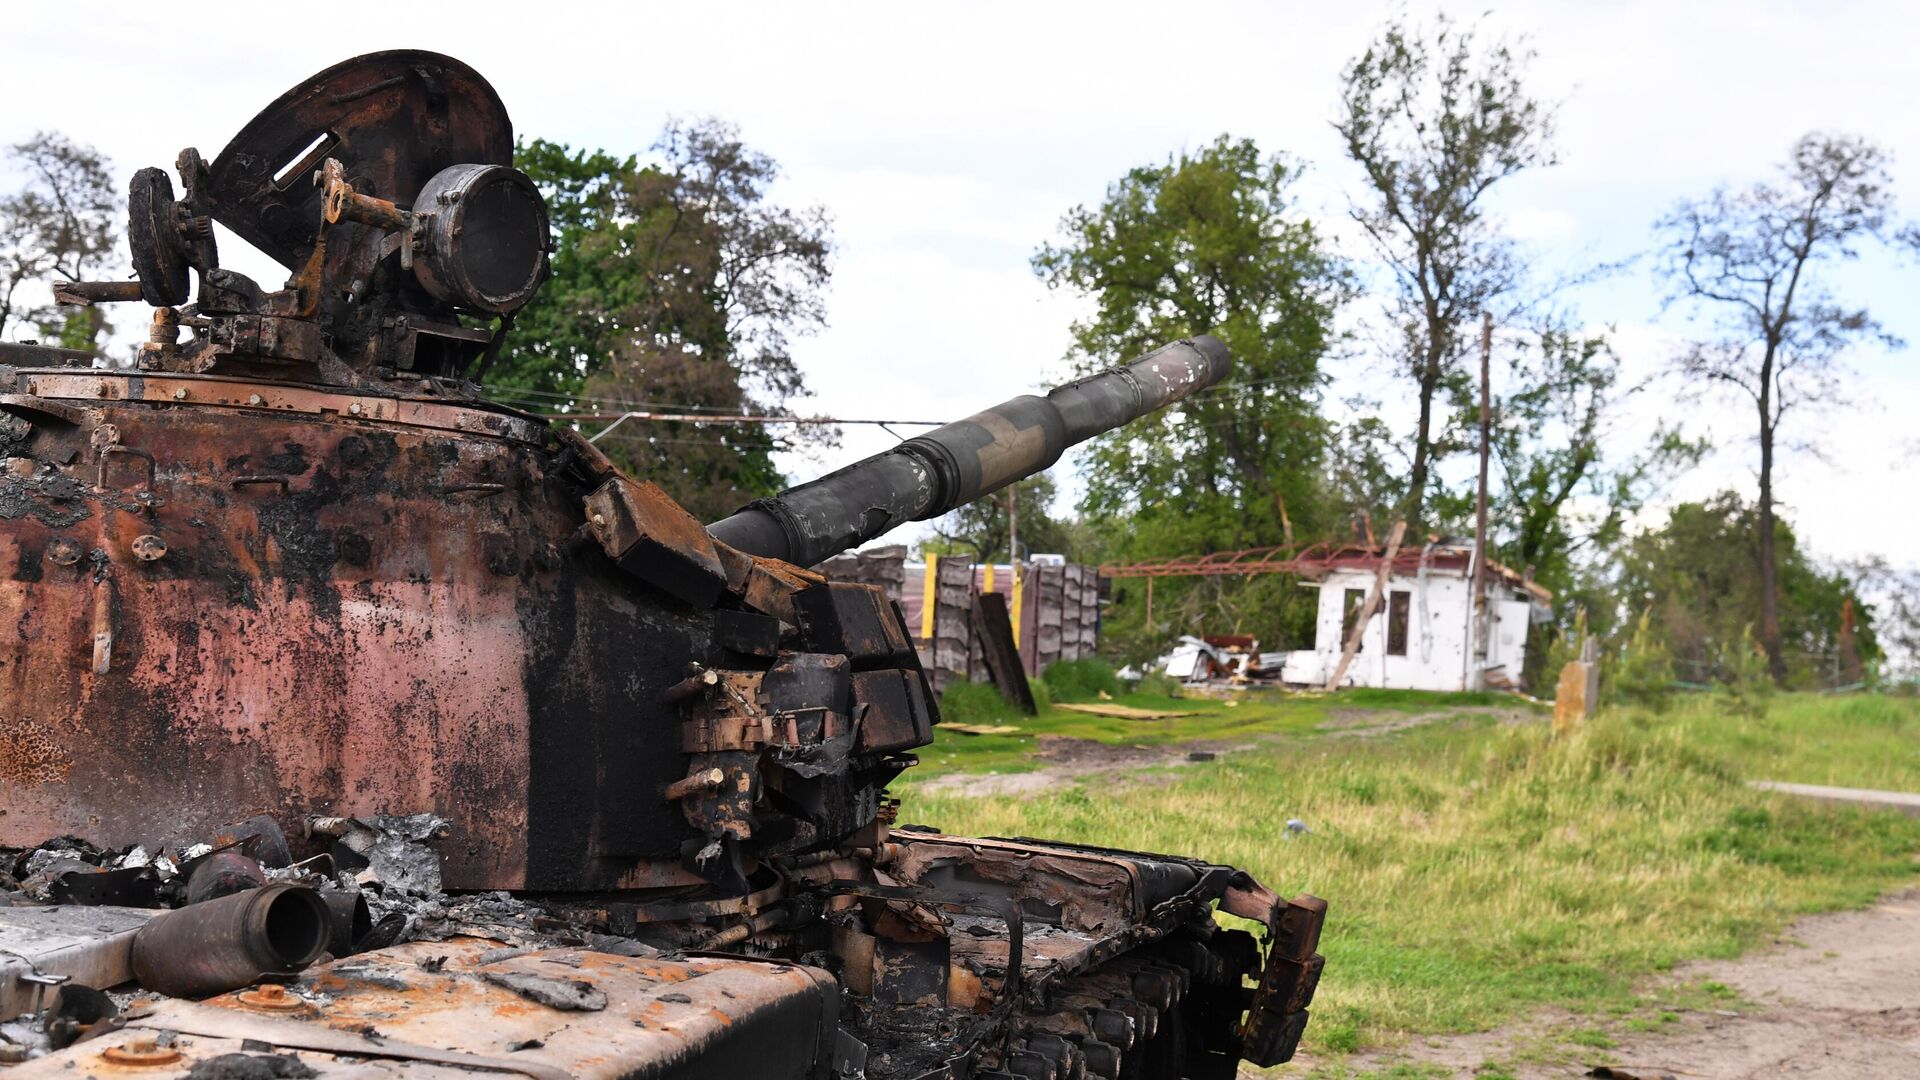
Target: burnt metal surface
[(352, 614), (385, 185), (217, 945), (303, 625), (90, 945), (392, 119), (450, 1008)]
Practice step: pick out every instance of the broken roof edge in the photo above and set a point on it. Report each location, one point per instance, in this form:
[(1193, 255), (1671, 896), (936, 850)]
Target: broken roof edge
[(1444, 558)]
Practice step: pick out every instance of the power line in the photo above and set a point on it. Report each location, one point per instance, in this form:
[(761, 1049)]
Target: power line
[(734, 418), (529, 395)]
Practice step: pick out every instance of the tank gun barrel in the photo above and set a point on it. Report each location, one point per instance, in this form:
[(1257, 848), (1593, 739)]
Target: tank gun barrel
[(930, 474)]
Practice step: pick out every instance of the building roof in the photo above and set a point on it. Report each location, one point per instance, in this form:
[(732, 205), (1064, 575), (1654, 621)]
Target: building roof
[(1452, 559)]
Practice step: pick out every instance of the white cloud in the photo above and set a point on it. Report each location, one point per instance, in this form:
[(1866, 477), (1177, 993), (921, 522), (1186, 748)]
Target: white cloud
[(1537, 224)]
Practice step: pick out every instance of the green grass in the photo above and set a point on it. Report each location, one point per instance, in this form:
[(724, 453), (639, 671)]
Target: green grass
[(1256, 714), (1858, 740), (1477, 870)]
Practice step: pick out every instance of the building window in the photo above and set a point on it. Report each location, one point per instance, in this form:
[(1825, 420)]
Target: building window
[(1399, 604), (1354, 599)]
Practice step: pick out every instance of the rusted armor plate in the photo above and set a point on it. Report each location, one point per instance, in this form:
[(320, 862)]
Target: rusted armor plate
[(450, 1008)]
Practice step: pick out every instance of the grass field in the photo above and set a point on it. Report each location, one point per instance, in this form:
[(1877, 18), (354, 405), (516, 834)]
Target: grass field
[(1476, 866), (1256, 715)]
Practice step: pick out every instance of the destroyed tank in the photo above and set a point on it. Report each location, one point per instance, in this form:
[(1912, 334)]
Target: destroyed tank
[(362, 725)]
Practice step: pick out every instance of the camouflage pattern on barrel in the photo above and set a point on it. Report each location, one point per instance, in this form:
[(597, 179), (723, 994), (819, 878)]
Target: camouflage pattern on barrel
[(930, 474)]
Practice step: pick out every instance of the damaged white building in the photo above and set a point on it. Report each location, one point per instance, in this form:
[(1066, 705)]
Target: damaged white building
[(1421, 635)]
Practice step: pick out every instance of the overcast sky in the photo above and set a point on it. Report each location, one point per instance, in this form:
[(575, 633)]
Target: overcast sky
[(947, 140)]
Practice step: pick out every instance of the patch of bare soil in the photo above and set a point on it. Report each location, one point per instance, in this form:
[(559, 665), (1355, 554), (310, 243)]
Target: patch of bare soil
[(1373, 723), (1835, 998), (1069, 759)]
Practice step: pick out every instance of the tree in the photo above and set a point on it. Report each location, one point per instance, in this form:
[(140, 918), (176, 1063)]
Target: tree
[(62, 222), (1435, 121), (1561, 495), (1558, 493), (1206, 242), (677, 286), (1366, 478), (1695, 579), (1894, 604), (980, 529), (1751, 262), (595, 300)]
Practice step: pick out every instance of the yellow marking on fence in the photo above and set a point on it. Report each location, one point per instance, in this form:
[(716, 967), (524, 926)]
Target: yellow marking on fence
[(930, 596), (1015, 571)]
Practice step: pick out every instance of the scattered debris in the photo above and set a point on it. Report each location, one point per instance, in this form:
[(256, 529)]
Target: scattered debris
[(567, 995), (251, 1067), (980, 729), (1229, 657), (393, 848)]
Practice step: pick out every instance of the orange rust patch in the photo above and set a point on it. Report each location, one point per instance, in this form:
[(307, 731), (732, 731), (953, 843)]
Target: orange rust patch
[(29, 754)]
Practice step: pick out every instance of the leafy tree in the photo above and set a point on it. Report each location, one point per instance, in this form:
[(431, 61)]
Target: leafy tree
[(677, 287), (1751, 263), (1697, 579), (62, 222), (1206, 242), (1366, 478), (1435, 120), (597, 297), (1558, 493), (980, 529), (1894, 595)]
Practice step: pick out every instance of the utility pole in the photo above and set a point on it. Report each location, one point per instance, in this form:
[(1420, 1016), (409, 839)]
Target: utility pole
[(1013, 525), (1476, 609)]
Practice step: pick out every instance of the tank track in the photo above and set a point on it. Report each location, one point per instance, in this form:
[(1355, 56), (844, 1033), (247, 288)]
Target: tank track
[(1168, 1009)]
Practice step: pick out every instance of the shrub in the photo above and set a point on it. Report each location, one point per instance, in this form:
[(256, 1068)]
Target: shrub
[(1081, 680), (1042, 695), (1746, 687), (1159, 684), (1643, 675), (975, 703)]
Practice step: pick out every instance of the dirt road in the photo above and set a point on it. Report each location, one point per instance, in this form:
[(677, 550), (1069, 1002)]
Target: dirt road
[(1837, 997)]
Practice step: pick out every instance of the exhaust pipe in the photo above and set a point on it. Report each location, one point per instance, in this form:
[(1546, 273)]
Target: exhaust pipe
[(349, 920), (225, 944)]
